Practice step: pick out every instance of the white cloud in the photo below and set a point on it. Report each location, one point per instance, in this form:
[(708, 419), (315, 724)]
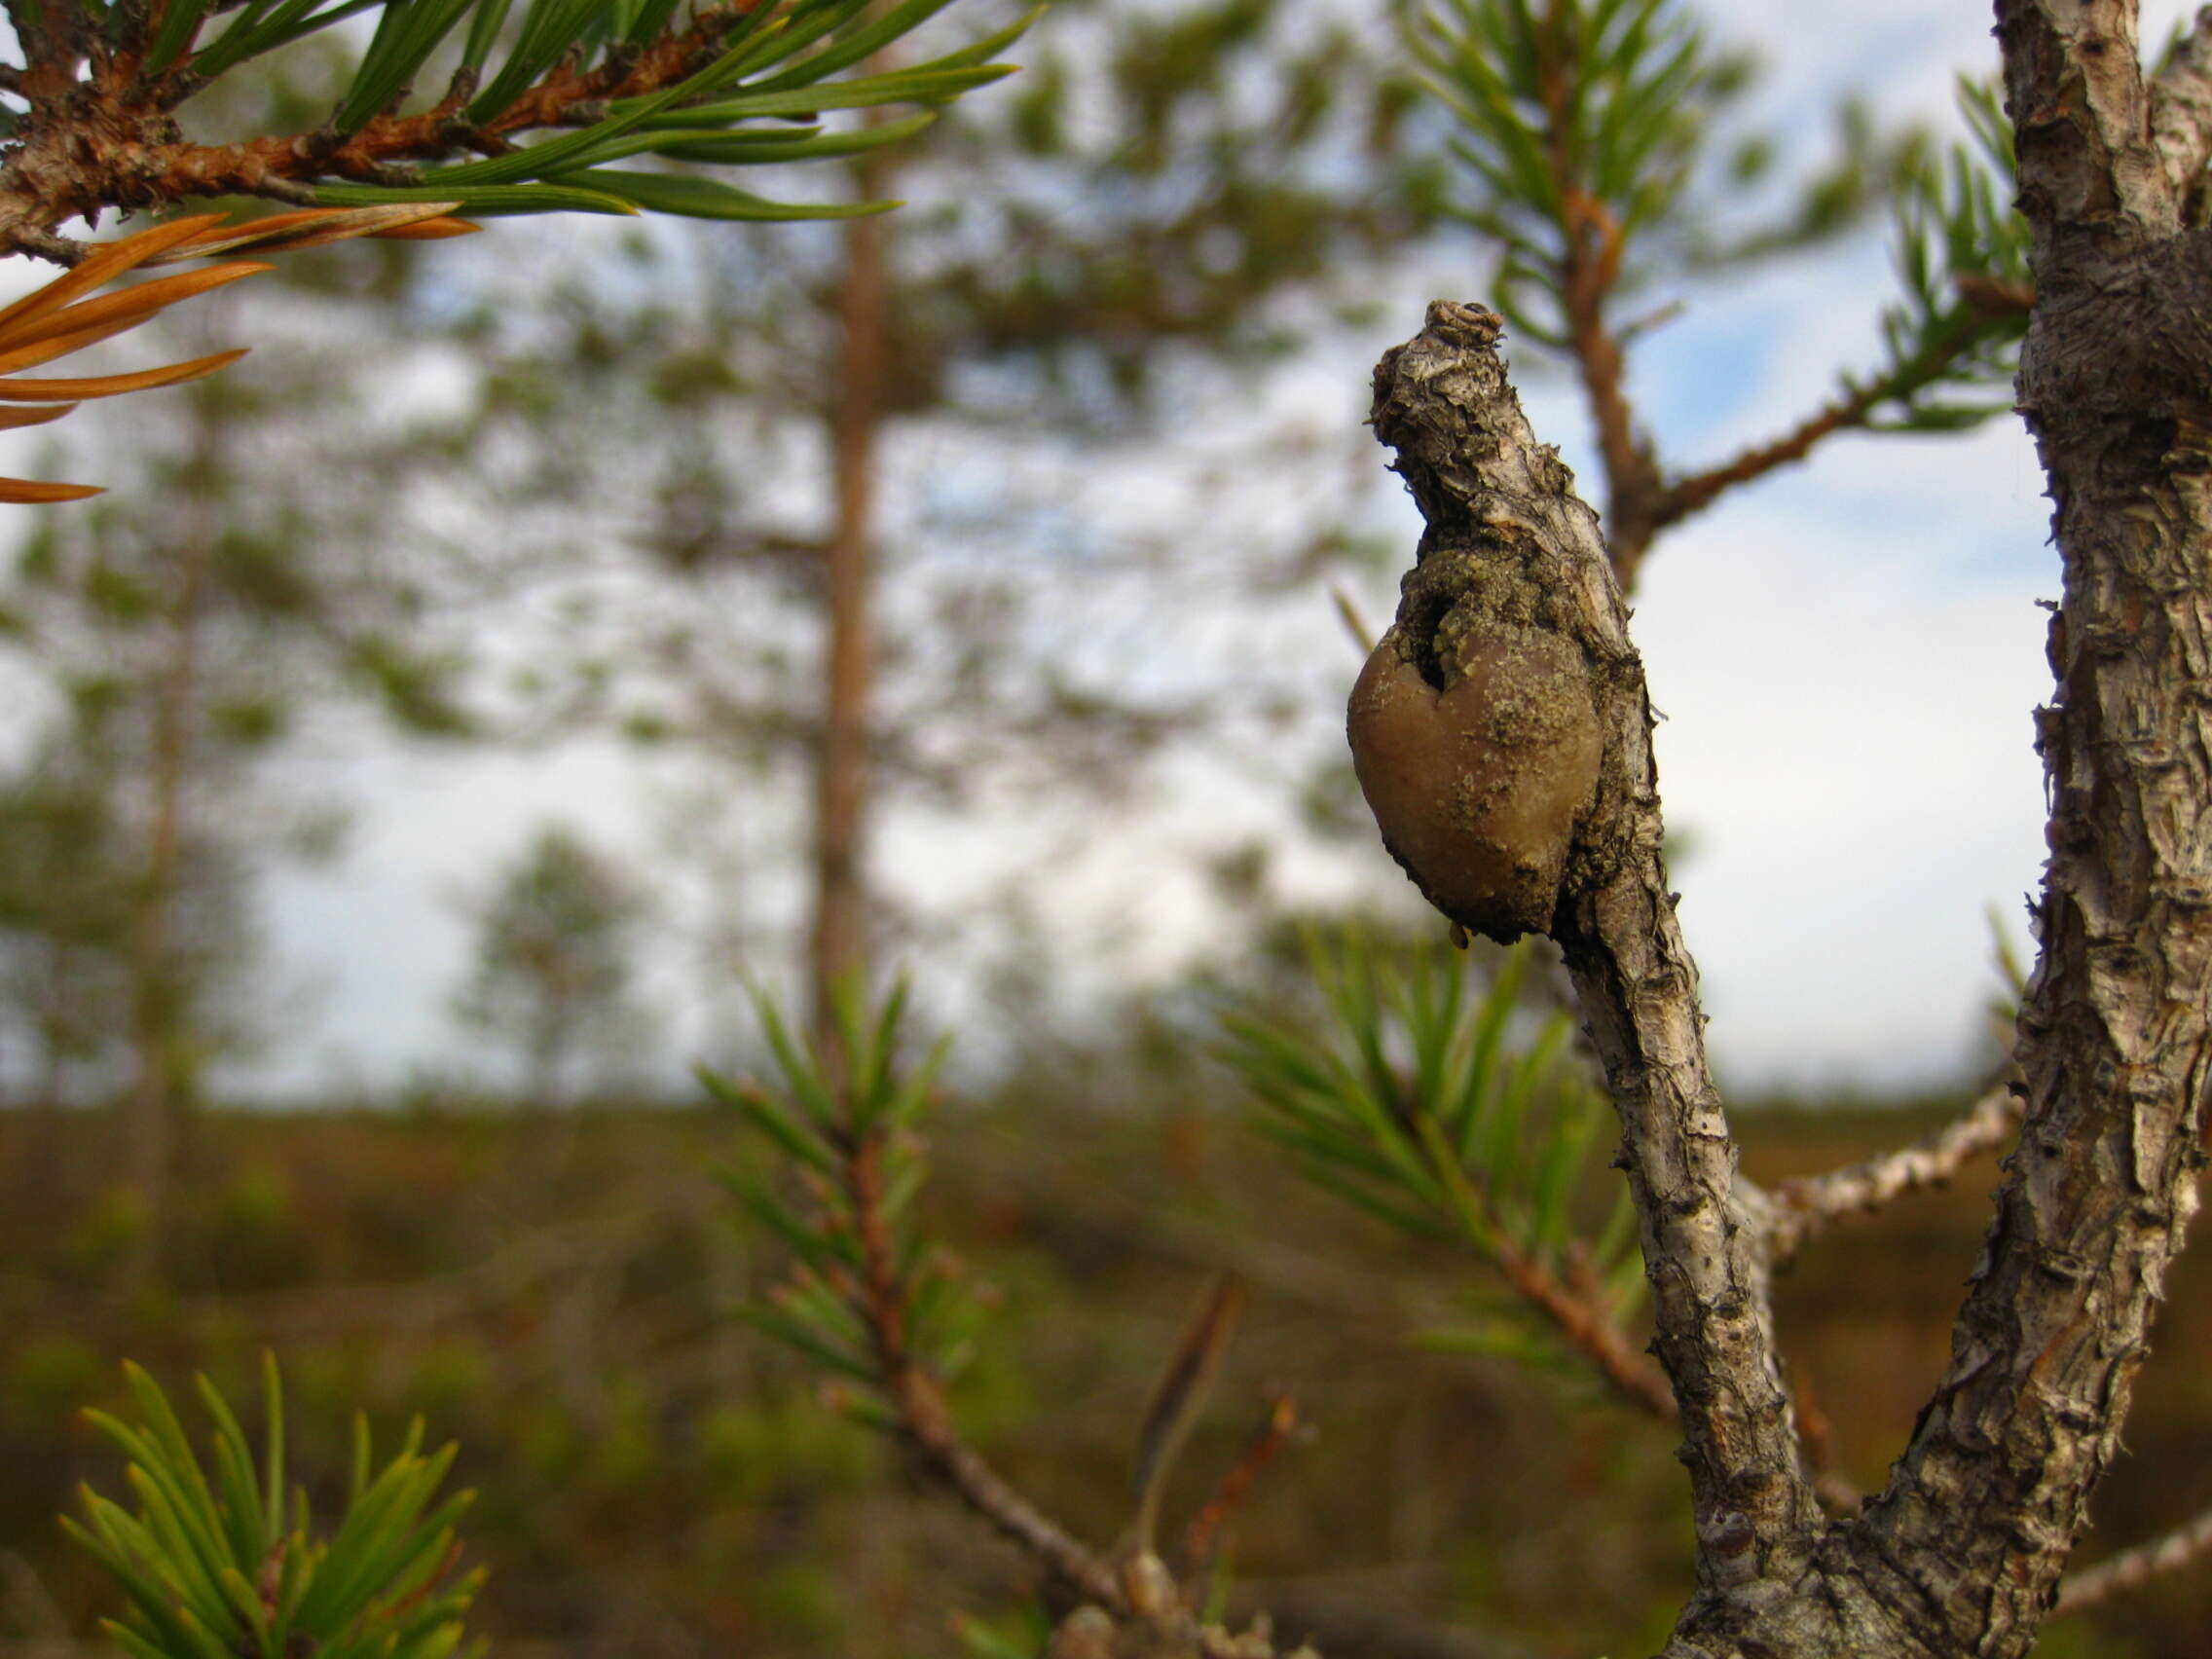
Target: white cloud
[(1849, 745), (1846, 655)]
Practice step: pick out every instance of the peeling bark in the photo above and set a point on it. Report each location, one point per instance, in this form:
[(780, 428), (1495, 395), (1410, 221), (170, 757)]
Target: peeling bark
[(1964, 1552), (1491, 494), (1992, 1492)]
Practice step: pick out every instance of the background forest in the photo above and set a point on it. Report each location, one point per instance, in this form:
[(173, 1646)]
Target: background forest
[(547, 643)]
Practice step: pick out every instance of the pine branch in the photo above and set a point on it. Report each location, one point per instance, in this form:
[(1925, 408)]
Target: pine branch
[(2132, 1568), (1480, 1140), (944, 1456), (111, 160), (860, 1301), (1580, 1315), (924, 1424), (1634, 494), (1806, 1207), (1700, 490), (1590, 269), (1995, 1486), (1988, 305), (1506, 531), (108, 137)]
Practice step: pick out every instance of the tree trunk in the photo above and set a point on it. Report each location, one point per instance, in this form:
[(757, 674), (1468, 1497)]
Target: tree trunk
[(2116, 1029), (839, 944), (148, 1134)]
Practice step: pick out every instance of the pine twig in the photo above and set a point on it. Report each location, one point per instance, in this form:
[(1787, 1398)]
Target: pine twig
[(1805, 1207), (1987, 298), (1275, 1428), (45, 244), (123, 151), (1700, 490), (2132, 1568), (1588, 275), (924, 1424), (1576, 1313)]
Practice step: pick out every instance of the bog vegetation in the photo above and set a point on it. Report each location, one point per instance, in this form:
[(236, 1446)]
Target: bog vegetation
[(1292, 1305)]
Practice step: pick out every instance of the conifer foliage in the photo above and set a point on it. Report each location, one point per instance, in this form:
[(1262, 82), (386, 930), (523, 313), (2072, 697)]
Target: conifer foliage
[(726, 86), (1593, 159), (222, 1564)]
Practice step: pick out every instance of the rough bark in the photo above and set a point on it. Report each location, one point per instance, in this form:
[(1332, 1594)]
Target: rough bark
[(1505, 528), (1963, 1553), (1973, 1532)]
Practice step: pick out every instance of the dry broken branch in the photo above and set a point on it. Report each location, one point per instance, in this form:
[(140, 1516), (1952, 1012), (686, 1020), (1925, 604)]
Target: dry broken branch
[(2132, 1568), (1512, 570), (1806, 1207)]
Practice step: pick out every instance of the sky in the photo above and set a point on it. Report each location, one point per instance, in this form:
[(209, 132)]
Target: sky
[(1845, 656)]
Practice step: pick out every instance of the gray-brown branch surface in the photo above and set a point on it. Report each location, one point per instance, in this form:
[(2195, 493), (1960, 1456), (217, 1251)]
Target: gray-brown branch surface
[(1513, 624), (1806, 1207), (2180, 116), (2114, 377), (2186, 1545), (1513, 572)]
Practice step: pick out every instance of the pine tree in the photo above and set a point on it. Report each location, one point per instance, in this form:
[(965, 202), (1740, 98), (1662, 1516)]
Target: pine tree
[(1502, 734), (149, 585), (1581, 122), (556, 943), (859, 648)]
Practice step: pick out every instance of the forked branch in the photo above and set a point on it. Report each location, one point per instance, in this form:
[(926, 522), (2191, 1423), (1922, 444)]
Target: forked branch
[(867, 1301), (1994, 1488)]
